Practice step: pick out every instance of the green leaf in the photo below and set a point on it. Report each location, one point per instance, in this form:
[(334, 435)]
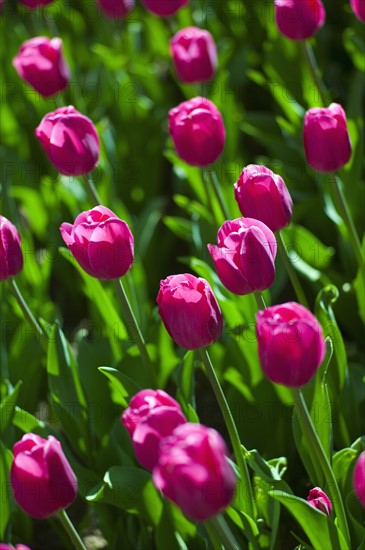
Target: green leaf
[(301, 242), (7, 408), (26, 422), (175, 531), (6, 458), (124, 386)]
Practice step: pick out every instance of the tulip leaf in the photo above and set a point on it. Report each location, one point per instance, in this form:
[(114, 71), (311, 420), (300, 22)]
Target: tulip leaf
[(319, 528), (6, 458), (124, 386), (7, 408), (175, 531), (26, 422), (132, 490), (301, 243)]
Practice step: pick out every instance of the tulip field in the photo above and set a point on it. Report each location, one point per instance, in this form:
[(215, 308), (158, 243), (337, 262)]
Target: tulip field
[(182, 275)]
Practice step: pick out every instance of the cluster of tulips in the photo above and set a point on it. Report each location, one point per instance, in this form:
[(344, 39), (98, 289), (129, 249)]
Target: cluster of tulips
[(188, 461)]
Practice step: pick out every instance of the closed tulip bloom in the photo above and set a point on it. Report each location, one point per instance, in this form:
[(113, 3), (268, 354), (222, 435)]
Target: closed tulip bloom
[(194, 54), (101, 243), (291, 344), (41, 64), (197, 130), (11, 257), (359, 478), (17, 546), (32, 4), (189, 311), (116, 9), (42, 479), (358, 7), (318, 499), (164, 8), (245, 255), (69, 140), (326, 139), (193, 472), (263, 195), (299, 19)]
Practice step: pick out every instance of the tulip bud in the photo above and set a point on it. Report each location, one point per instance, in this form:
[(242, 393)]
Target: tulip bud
[(326, 140), (42, 479), (358, 7), (318, 499), (116, 9), (245, 255), (151, 415), (197, 130), (164, 8), (193, 472), (194, 54), (359, 478), (101, 243), (11, 257), (189, 311), (33, 4), (41, 64), (263, 195), (299, 19), (291, 344), (70, 141)]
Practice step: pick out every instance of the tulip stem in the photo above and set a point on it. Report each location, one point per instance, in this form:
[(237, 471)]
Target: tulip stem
[(311, 62), (90, 186), (218, 193), (345, 213), (28, 315), (70, 529), (218, 529), (322, 460), (134, 328), (291, 271), (238, 448), (259, 299)]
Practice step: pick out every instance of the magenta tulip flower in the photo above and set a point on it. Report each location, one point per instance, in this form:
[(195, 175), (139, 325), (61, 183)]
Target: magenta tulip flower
[(245, 255), (358, 7), (326, 139), (189, 311), (11, 257), (359, 478), (70, 141), (17, 546), (299, 19), (291, 344), (197, 130), (164, 8), (41, 64), (263, 195), (42, 479), (318, 499), (193, 472), (194, 54), (116, 9)]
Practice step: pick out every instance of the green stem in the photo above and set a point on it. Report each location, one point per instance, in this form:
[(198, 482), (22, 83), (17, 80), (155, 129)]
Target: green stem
[(218, 193), (90, 186), (221, 532), (71, 531), (291, 271), (316, 445), (345, 213), (28, 315), (231, 427), (133, 326), (311, 62), (259, 300)]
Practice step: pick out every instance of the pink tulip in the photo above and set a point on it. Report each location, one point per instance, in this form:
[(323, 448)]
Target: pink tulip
[(17, 546), (116, 9), (11, 257), (326, 140), (164, 8), (245, 255), (101, 243), (358, 7), (197, 130), (291, 344), (359, 478), (193, 472), (263, 195), (318, 499), (194, 54), (42, 479), (41, 64), (299, 19), (32, 4), (189, 311), (70, 141)]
